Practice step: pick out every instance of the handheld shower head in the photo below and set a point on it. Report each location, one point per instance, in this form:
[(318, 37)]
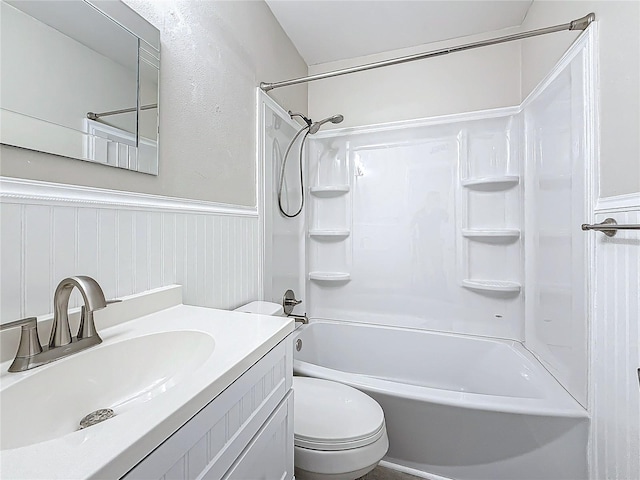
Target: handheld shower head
[(316, 125)]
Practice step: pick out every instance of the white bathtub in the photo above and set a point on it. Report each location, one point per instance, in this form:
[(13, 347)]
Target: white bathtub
[(456, 406)]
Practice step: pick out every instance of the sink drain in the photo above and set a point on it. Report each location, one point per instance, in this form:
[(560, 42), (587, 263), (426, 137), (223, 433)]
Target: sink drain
[(96, 417)]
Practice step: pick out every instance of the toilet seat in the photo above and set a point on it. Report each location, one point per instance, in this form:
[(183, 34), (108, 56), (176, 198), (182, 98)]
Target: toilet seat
[(334, 445), (330, 416)]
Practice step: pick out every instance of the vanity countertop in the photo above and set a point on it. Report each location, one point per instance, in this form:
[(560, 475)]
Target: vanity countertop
[(111, 448)]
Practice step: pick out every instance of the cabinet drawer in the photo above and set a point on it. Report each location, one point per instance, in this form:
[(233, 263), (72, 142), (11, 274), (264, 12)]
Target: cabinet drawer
[(214, 438), (269, 456)]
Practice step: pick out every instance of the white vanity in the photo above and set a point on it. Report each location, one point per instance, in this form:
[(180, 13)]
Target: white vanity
[(196, 392)]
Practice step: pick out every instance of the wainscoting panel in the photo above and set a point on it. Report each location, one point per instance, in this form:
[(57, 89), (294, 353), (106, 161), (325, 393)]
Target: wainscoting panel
[(615, 352), (128, 242)]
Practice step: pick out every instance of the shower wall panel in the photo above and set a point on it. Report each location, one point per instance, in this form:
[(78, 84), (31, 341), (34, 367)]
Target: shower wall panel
[(282, 237), (415, 225), (559, 137)]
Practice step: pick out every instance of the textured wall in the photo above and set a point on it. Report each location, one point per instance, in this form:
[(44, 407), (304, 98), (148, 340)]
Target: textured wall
[(214, 54), (457, 83), (619, 63)]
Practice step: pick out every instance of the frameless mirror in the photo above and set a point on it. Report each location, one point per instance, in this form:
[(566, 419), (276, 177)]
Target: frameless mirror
[(80, 79)]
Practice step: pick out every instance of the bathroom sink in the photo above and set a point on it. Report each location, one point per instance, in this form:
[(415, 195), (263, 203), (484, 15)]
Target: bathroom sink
[(122, 375), (159, 364)]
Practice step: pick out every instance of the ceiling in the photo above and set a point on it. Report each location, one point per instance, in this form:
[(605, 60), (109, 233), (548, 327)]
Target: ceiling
[(324, 31)]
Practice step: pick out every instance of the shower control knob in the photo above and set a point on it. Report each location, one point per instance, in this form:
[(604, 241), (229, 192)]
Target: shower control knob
[(289, 301)]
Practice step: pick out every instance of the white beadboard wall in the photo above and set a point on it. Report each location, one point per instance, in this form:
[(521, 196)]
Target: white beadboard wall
[(615, 351), (128, 242)]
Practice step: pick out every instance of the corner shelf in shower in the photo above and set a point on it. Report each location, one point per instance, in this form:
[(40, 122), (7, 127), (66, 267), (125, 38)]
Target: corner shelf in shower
[(491, 234), (329, 276), (491, 184), (492, 285), (329, 190), (329, 234)]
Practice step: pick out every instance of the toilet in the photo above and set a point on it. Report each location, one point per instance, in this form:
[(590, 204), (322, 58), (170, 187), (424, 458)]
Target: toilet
[(339, 432)]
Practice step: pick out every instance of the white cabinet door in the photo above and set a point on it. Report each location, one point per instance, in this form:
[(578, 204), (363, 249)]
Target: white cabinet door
[(269, 456), (209, 444)]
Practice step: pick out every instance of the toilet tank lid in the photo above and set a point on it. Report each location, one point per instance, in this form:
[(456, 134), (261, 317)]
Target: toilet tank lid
[(262, 308)]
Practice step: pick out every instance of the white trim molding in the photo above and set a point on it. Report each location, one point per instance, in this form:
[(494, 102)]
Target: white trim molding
[(619, 203), (33, 192)]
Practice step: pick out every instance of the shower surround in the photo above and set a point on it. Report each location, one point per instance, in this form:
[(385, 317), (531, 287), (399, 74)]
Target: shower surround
[(462, 224)]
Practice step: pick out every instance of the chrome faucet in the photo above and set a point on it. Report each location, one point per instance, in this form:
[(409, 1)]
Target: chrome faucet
[(31, 354), (93, 300)]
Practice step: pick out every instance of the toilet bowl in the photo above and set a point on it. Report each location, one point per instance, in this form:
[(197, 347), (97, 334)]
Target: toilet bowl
[(339, 432)]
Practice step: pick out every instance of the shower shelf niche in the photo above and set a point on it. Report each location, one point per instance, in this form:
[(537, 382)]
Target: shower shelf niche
[(329, 234), (329, 276), (329, 190), (492, 285), (490, 234), (491, 184)]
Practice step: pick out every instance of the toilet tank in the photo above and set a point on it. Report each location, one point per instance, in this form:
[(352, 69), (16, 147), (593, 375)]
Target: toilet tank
[(262, 308)]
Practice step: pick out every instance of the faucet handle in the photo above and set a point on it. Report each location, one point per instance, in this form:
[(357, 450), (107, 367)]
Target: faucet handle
[(87, 324), (289, 301), (27, 322), (29, 342)]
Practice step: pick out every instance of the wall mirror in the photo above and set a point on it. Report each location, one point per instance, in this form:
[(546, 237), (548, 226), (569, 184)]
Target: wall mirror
[(80, 79)]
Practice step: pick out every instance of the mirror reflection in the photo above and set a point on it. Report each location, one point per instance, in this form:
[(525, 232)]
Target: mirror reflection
[(77, 83)]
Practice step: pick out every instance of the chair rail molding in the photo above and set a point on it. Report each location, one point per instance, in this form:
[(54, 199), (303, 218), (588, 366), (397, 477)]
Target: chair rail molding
[(33, 192), (619, 203)]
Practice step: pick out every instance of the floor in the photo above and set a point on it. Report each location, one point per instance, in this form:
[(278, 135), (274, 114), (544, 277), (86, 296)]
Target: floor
[(381, 473)]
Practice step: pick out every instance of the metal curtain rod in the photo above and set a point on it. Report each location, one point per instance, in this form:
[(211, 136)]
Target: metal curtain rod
[(578, 24), (609, 227), (96, 116)]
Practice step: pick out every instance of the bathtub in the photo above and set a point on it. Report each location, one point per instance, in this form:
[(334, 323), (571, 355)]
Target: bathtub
[(456, 406)]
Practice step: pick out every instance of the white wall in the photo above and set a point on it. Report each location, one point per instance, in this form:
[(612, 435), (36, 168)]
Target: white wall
[(560, 159), (457, 83), (619, 63), (213, 55), (412, 244), (615, 346), (614, 402), (284, 258)]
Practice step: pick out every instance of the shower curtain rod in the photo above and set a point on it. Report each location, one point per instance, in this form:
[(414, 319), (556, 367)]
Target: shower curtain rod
[(96, 116), (578, 24)]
